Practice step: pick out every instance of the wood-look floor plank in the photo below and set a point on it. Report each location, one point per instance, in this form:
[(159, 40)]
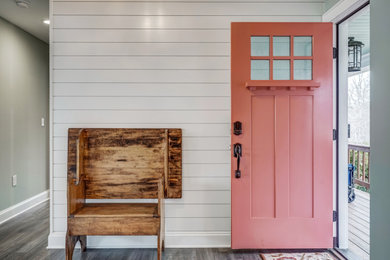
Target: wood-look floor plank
[(21, 237), (25, 237)]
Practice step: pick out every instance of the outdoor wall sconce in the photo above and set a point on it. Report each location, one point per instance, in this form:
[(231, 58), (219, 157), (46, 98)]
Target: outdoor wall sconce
[(354, 54)]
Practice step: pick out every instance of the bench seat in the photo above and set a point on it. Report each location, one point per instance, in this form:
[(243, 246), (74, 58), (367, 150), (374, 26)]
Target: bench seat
[(115, 219), (104, 210)]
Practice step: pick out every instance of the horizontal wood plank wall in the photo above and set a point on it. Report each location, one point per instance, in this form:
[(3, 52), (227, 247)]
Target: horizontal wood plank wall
[(157, 64)]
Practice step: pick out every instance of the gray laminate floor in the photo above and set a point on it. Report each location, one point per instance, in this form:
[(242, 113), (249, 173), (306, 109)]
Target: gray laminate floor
[(25, 237)]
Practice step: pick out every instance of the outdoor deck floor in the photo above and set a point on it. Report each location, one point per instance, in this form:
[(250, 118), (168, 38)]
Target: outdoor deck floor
[(359, 225)]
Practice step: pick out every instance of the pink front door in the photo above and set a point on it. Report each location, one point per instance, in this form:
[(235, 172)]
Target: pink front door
[(281, 87)]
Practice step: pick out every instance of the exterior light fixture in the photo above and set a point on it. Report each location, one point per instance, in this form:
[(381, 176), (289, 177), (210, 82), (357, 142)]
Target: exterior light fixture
[(354, 54), (46, 21)]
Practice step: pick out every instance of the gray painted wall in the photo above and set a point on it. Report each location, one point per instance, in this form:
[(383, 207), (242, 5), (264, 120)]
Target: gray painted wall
[(24, 95), (380, 129)]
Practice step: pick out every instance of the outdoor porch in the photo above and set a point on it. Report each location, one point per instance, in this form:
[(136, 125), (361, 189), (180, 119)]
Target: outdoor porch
[(359, 209), (359, 224)]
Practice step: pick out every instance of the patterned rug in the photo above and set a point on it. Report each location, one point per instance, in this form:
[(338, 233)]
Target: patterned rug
[(298, 256)]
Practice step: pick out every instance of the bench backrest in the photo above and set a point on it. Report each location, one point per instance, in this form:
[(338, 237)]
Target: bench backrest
[(122, 163)]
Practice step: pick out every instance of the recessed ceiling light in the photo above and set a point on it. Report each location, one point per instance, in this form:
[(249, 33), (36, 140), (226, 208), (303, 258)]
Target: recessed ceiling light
[(23, 3), (46, 21)]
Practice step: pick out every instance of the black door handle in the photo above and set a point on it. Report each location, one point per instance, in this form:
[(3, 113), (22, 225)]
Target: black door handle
[(237, 153)]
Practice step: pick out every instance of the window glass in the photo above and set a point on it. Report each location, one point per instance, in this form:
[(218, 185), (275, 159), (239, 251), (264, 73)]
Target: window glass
[(302, 46), (259, 46), (281, 46), (303, 69), (281, 69), (260, 69)]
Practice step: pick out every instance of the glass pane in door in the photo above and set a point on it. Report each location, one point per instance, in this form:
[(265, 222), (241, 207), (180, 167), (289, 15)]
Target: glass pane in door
[(303, 69), (259, 69), (281, 69), (281, 46), (259, 46), (302, 46)]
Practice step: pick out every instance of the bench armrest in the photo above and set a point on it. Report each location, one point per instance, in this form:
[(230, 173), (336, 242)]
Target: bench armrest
[(80, 150), (76, 184), (161, 198), (161, 213)]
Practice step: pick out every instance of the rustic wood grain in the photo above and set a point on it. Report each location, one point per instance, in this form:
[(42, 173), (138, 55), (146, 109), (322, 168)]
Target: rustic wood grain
[(81, 144), (109, 210), (127, 163), (121, 164), (70, 244), (76, 183), (116, 153), (174, 184), (161, 213), (114, 226)]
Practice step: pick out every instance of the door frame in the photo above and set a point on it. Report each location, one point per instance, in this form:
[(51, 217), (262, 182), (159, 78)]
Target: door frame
[(341, 213)]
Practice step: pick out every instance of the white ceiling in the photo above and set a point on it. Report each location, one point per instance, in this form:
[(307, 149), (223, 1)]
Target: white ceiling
[(359, 27), (29, 19)]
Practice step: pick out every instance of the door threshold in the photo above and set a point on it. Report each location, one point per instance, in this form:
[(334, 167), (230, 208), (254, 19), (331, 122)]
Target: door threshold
[(347, 254)]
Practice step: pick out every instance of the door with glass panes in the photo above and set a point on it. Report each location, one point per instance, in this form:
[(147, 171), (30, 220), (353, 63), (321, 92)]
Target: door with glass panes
[(281, 91)]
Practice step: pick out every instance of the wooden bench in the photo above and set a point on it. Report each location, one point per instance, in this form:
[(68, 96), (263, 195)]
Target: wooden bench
[(120, 164)]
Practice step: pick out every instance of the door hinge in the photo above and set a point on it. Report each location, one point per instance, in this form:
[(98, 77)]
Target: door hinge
[(334, 52), (334, 216), (334, 134), (335, 242), (349, 131)]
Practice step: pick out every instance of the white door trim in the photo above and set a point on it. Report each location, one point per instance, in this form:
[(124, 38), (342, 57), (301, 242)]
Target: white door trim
[(343, 135)]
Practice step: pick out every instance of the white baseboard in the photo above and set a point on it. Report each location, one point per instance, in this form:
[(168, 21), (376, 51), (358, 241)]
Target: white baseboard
[(21, 207), (172, 240)]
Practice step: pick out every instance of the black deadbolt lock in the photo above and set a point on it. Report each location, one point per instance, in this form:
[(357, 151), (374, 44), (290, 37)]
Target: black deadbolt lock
[(237, 128)]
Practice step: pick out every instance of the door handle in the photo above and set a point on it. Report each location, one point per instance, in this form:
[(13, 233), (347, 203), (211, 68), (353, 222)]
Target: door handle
[(237, 153)]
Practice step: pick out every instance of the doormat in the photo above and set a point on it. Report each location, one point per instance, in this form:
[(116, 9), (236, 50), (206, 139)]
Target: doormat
[(298, 256)]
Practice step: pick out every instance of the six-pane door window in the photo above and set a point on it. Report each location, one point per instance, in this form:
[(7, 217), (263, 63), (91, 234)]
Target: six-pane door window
[(281, 58)]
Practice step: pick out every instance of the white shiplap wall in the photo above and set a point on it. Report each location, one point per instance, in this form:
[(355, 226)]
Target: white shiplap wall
[(155, 64)]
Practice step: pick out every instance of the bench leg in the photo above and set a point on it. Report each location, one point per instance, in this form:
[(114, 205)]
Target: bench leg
[(83, 243), (159, 247), (70, 244)]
